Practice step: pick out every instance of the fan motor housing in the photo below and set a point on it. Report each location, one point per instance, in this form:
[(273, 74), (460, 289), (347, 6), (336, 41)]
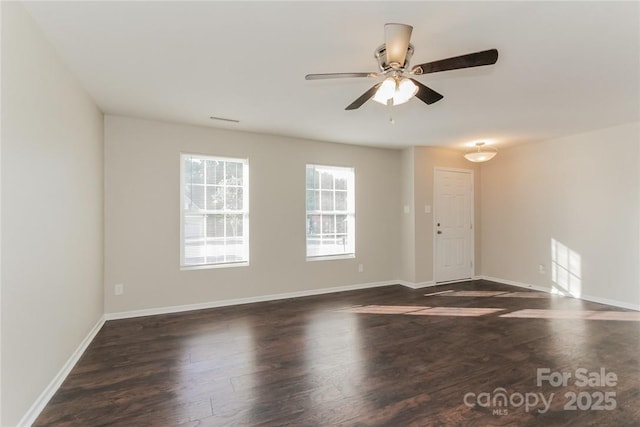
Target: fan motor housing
[(381, 56)]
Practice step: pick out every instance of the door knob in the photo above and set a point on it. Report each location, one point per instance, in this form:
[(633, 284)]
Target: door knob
[(439, 232)]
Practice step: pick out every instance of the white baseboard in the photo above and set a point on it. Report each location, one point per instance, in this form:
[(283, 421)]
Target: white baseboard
[(42, 400), (514, 283), (248, 300), (590, 298), (448, 282), (413, 285), (611, 302)]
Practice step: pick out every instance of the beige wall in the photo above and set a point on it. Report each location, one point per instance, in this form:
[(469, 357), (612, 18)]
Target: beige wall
[(142, 215), (420, 164), (583, 192), (51, 214), (408, 242)]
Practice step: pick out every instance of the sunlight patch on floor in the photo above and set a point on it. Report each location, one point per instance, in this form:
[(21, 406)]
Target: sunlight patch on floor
[(501, 294), (420, 310), (456, 311), (575, 314), (382, 309), (415, 310)]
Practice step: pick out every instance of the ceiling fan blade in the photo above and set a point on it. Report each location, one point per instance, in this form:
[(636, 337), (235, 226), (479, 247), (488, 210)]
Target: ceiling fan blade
[(338, 75), (425, 94), (396, 41), (477, 59), (363, 98)]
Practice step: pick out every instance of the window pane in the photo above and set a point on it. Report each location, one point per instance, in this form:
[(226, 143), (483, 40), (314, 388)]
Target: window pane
[(313, 224), (215, 172), (327, 200), (341, 223), (194, 227), (215, 198), (194, 253), (235, 249), (341, 200), (341, 183), (234, 198), (313, 200), (194, 249), (234, 173), (215, 226), (194, 171), (311, 173), (194, 197), (328, 224), (216, 252), (234, 225), (326, 181), (240, 198)]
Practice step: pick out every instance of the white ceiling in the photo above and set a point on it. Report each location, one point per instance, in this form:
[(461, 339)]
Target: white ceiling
[(564, 67)]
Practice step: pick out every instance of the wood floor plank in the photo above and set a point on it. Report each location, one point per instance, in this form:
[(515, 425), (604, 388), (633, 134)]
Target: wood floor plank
[(311, 362)]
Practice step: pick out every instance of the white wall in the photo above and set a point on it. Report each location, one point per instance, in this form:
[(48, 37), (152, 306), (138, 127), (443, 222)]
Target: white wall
[(142, 161), (581, 191), (51, 214)]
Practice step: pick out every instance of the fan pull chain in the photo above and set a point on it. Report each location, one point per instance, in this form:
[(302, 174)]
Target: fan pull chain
[(390, 109)]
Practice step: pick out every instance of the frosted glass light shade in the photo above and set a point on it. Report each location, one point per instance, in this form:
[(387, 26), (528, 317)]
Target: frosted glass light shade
[(482, 154), (397, 90), (385, 91)]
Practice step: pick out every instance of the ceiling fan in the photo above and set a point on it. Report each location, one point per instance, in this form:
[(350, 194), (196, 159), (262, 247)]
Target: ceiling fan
[(399, 85)]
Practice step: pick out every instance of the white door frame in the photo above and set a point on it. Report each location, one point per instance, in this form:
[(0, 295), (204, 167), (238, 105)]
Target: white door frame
[(472, 248)]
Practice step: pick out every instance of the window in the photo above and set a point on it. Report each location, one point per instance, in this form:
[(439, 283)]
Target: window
[(330, 212), (214, 211)]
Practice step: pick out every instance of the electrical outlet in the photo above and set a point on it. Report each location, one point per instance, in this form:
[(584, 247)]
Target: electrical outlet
[(360, 268), (118, 289), (541, 269)]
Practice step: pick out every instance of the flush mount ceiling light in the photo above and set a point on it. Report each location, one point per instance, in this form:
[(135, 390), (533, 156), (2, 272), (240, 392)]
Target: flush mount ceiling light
[(481, 154)]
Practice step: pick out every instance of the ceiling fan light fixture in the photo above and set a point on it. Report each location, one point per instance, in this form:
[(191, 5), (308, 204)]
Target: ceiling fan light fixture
[(406, 90), (481, 154), (396, 89), (385, 91)]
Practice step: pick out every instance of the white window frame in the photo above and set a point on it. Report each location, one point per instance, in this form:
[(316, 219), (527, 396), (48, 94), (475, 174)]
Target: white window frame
[(244, 211), (350, 213)]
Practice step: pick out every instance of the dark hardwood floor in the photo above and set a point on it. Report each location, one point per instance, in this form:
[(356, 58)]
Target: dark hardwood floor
[(320, 361)]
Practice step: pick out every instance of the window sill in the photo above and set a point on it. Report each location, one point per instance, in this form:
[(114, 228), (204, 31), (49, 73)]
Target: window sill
[(211, 266), (330, 257)]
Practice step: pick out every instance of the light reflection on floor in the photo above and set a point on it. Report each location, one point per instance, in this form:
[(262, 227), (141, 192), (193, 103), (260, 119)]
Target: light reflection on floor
[(382, 309), (456, 311), (633, 316), (420, 310), (417, 310), (501, 294), (473, 293), (525, 295)]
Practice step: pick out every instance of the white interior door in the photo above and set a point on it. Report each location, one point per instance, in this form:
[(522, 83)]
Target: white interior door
[(453, 225)]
